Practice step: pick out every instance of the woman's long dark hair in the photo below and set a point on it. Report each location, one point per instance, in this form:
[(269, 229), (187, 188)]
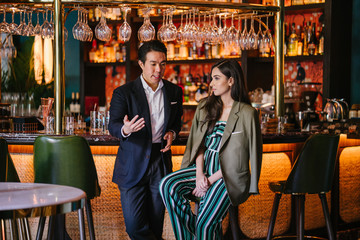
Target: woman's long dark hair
[(239, 92)]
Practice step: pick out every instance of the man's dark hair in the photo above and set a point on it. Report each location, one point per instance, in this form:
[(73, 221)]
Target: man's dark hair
[(153, 45)]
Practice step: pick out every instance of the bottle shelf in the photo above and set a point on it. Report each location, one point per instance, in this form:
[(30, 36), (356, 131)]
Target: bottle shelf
[(104, 64), (314, 58), (307, 8), (195, 61)]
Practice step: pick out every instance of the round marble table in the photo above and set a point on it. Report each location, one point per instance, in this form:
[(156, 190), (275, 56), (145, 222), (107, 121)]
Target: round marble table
[(22, 200)]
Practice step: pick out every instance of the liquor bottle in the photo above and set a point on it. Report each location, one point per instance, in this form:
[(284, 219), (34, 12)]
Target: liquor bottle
[(91, 15), (300, 44), (176, 51), (170, 50), (72, 103), (187, 86), (113, 43), (307, 34), (207, 52), (183, 53), (312, 41), (286, 41), (100, 53), (194, 50), (77, 105), (321, 40), (123, 52), (215, 50), (92, 52), (293, 41), (118, 54), (202, 89)]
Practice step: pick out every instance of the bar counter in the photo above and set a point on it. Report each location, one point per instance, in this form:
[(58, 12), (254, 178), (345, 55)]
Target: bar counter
[(279, 153)]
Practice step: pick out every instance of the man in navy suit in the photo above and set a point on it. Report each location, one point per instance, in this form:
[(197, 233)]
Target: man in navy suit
[(145, 115)]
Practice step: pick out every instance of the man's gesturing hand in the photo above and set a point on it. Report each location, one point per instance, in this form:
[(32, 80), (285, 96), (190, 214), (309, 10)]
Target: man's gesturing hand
[(133, 125)]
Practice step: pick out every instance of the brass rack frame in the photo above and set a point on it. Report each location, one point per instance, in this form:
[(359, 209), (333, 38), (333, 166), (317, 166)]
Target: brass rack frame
[(59, 6)]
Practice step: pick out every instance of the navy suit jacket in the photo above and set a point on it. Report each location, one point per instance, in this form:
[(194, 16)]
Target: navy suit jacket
[(134, 151)]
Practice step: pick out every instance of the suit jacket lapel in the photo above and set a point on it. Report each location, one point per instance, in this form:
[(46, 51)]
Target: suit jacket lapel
[(166, 94), (143, 105), (230, 123)]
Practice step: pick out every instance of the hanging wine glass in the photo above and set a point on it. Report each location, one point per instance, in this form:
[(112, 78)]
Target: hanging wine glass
[(20, 30), (102, 31), (186, 27), (252, 36), (88, 33), (37, 29), (268, 37), (231, 32), (160, 33), (170, 30), (180, 30), (223, 32), (46, 27), (13, 26), (146, 31), (4, 26), (192, 29), (260, 35), (199, 38), (244, 37), (215, 37), (206, 29), (30, 28), (51, 25), (125, 29)]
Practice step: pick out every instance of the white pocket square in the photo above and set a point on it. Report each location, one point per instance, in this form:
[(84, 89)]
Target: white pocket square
[(173, 103), (236, 132)]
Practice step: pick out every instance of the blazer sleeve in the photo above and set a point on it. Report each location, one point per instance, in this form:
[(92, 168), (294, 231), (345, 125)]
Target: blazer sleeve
[(187, 158), (255, 148), (118, 110)]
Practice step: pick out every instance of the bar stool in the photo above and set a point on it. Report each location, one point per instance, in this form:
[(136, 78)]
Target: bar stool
[(233, 216), (67, 160), (8, 173), (312, 173)]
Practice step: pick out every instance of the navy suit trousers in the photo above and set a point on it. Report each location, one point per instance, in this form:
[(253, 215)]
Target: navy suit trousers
[(142, 206)]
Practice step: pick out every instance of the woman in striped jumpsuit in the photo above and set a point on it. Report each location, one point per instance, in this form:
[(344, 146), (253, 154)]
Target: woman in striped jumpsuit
[(225, 136)]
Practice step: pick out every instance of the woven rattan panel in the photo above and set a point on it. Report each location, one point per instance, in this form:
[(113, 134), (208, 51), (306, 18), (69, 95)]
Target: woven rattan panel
[(350, 184), (254, 214)]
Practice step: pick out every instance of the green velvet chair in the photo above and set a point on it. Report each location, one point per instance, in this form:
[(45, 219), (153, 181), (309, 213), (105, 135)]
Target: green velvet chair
[(312, 173), (8, 173), (67, 160)]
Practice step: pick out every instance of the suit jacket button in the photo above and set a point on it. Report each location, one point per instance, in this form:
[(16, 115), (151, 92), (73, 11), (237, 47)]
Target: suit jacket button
[(147, 156)]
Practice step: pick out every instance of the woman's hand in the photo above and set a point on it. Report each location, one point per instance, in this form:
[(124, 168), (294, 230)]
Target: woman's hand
[(202, 185)]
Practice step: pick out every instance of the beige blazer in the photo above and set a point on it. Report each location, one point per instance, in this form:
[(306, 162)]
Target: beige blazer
[(240, 150)]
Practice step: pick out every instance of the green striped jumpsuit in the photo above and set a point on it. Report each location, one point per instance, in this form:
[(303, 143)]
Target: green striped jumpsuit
[(213, 205)]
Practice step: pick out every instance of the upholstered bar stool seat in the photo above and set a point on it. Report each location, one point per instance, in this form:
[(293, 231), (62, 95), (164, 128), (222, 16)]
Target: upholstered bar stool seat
[(67, 160), (312, 173)]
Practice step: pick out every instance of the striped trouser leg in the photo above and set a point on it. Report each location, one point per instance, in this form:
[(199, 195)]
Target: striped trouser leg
[(173, 189), (213, 208)]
